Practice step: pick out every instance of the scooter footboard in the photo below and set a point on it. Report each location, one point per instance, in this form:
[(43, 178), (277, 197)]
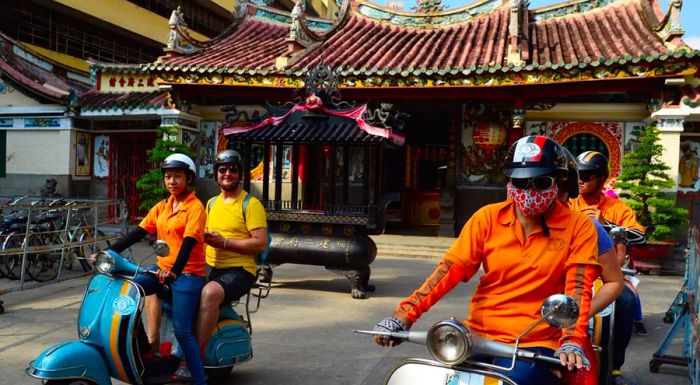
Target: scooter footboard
[(67, 360), (414, 371)]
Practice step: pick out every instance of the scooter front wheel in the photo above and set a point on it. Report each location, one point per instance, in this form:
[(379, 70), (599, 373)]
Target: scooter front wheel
[(75, 381)]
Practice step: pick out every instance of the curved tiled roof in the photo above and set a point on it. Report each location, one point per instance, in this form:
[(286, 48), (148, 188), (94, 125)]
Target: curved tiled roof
[(369, 40), (371, 44), (95, 100), (616, 31), (254, 44), (35, 78)]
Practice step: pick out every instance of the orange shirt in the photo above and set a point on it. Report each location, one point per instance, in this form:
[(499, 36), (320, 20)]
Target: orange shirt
[(173, 227), (614, 211), (518, 275)]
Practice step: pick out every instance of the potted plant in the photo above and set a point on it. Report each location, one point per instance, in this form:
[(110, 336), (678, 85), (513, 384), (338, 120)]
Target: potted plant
[(642, 181)]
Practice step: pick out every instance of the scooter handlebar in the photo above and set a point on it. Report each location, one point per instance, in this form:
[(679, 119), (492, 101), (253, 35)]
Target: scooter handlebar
[(415, 337)]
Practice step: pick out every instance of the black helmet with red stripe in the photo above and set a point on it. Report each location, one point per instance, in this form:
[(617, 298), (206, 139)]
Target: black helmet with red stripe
[(535, 155)]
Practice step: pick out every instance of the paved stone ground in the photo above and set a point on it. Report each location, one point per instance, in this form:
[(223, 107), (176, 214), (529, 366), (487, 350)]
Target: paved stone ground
[(303, 332)]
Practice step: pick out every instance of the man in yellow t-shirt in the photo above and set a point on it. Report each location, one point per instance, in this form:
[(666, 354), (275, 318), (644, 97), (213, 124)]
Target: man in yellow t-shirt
[(232, 240)]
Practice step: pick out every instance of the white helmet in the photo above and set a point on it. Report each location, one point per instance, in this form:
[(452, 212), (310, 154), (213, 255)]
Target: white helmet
[(178, 161)]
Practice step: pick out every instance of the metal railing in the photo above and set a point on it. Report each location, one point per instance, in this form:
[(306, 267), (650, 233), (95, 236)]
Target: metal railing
[(683, 314), (42, 237)]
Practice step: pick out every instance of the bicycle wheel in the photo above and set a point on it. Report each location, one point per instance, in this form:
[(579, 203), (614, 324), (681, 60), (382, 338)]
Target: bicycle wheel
[(42, 266), (3, 272), (93, 245), (13, 262)]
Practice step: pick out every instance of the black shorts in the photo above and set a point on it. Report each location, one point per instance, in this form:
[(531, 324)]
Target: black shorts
[(236, 282)]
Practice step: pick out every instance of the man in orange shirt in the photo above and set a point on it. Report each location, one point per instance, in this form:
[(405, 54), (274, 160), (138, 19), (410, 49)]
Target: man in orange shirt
[(530, 247), (611, 213)]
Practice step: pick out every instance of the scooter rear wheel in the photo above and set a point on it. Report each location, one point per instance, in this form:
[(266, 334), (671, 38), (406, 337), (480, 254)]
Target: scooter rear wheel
[(219, 373), (75, 381)]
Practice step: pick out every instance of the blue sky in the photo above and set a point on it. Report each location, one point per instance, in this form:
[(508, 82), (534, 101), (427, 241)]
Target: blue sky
[(690, 11)]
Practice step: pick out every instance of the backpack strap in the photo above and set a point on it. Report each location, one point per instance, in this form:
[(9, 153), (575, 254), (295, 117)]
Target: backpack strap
[(246, 200), (211, 203)]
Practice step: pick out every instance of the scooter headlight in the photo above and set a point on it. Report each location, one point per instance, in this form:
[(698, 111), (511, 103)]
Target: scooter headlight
[(104, 263), (449, 342)]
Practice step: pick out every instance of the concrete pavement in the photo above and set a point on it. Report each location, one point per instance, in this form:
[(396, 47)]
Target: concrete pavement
[(303, 331)]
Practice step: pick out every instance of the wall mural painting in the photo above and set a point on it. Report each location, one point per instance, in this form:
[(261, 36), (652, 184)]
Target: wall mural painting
[(100, 168), (605, 137), (82, 154), (688, 171), (577, 137), (484, 145), (207, 149)]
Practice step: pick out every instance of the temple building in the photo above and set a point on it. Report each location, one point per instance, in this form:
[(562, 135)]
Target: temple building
[(458, 86)]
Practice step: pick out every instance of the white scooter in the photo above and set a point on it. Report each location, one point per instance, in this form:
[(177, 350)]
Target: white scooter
[(453, 345)]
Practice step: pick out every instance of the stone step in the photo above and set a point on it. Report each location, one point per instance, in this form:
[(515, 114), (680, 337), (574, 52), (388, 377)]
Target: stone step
[(412, 246)]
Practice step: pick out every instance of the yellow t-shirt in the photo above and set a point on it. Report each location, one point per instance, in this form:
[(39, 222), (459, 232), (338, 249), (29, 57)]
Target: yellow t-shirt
[(227, 219)]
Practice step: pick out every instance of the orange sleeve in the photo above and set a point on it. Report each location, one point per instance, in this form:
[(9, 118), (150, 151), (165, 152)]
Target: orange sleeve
[(460, 263), (627, 218), (149, 223), (579, 286), (443, 279), (581, 269), (196, 221)]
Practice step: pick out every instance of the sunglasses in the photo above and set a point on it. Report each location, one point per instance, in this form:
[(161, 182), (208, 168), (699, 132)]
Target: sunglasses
[(540, 183), (586, 177), (231, 169)]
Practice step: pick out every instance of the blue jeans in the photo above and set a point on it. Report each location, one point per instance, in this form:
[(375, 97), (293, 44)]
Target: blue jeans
[(185, 305), (622, 332), (526, 372)]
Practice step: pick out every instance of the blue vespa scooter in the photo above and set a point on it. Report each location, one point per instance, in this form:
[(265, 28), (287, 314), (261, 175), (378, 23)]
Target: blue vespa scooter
[(107, 330)]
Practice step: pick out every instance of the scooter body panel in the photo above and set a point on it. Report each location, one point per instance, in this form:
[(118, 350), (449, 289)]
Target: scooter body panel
[(70, 360), (229, 343), (111, 307), (415, 371)]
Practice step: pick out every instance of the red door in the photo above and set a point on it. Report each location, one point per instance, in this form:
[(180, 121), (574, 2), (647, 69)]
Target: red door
[(127, 163)]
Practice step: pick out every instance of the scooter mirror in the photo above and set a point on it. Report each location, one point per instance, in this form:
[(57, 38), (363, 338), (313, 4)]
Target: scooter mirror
[(161, 247), (560, 311)]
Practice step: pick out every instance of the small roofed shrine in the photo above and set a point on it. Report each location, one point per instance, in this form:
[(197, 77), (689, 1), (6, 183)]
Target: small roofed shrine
[(324, 192), (588, 73)]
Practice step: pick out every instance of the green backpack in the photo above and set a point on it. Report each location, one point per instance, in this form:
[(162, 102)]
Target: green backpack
[(261, 257)]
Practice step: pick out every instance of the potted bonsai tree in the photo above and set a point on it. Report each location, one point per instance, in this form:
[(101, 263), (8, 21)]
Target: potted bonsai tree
[(642, 181)]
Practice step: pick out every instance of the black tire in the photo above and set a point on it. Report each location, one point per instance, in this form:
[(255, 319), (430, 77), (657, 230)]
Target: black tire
[(2, 307), (43, 267), (219, 373), (13, 262), (75, 381)]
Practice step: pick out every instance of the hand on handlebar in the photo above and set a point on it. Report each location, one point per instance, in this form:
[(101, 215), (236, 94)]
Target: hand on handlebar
[(389, 324), (571, 354), (165, 275)]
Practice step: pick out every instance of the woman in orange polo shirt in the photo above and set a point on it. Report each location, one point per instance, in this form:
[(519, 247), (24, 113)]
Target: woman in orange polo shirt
[(530, 247), (178, 220)]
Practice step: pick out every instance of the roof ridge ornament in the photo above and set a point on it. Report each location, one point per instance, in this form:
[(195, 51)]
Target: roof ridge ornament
[(429, 6), (179, 40), (518, 32), (300, 37), (669, 28)]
